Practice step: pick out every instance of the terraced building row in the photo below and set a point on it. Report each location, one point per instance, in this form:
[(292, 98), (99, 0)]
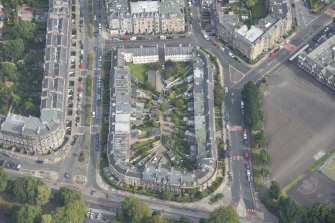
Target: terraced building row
[(45, 133)]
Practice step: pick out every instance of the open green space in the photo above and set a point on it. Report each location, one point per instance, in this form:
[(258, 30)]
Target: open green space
[(329, 170), (138, 71), (90, 60), (175, 69)]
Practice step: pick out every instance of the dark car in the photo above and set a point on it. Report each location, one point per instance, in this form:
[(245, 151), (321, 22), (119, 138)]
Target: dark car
[(229, 153), (97, 136), (1, 162), (228, 142), (39, 161), (10, 165), (97, 143), (67, 175), (73, 141)]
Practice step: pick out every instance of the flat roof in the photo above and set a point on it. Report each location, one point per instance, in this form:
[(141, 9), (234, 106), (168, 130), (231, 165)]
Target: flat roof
[(251, 34), (144, 6)]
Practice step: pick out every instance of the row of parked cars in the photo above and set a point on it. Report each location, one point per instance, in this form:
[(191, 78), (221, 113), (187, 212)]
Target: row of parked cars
[(97, 216), (11, 165)]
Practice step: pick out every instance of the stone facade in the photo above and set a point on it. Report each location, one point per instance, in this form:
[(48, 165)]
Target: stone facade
[(144, 17), (253, 41)]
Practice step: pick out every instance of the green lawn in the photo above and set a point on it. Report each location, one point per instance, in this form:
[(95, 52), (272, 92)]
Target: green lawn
[(138, 71), (258, 11), (329, 170)]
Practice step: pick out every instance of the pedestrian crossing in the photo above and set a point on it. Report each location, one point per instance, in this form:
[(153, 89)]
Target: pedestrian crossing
[(251, 212), (235, 128), (237, 157)]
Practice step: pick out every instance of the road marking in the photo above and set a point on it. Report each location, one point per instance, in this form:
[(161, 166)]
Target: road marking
[(237, 158), (319, 154)]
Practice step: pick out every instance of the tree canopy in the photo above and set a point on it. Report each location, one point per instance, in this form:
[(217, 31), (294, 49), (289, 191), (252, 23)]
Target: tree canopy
[(14, 49), (289, 211), (184, 219), (224, 215), (46, 218), (274, 190), (72, 212), (9, 71), (31, 191), (25, 30), (3, 179), (28, 214), (321, 213), (135, 210), (251, 97), (65, 195), (219, 95)]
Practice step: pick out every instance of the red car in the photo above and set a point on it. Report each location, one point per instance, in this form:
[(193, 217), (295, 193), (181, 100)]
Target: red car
[(246, 155), (125, 38)]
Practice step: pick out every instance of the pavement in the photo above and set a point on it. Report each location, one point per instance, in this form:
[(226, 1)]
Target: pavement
[(299, 121)]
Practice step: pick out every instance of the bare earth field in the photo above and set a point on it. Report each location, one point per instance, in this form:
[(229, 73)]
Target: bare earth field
[(299, 121)]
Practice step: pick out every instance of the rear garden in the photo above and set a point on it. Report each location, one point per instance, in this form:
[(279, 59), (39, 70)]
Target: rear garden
[(22, 55)]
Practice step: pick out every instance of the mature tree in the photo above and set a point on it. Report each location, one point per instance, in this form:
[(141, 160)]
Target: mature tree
[(46, 218), (321, 213), (31, 191), (265, 171), (28, 214), (179, 103), (25, 30), (60, 216), (274, 190), (260, 139), (167, 195), (42, 194), (184, 219), (224, 215), (156, 218), (72, 212), (164, 106), (119, 215), (65, 195), (289, 211), (251, 98), (76, 211), (3, 179), (9, 71), (14, 49), (135, 210), (264, 156)]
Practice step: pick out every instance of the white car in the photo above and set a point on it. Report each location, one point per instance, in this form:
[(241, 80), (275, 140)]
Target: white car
[(231, 54), (225, 90), (93, 114), (99, 216), (222, 48), (248, 173)]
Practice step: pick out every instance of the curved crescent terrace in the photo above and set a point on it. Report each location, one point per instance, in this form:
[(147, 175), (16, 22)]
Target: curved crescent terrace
[(42, 134), (152, 174)]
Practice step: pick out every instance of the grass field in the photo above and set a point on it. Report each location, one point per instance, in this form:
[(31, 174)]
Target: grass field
[(329, 170), (138, 71), (258, 11)]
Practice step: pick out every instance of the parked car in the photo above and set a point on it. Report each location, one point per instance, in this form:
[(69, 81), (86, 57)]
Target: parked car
[(1, 162)]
